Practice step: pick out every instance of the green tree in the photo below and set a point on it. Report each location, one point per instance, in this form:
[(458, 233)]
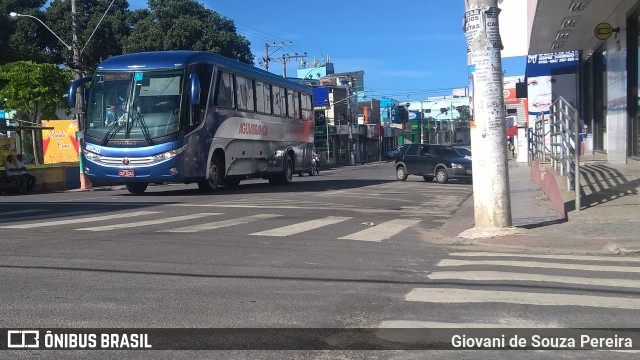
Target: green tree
[(34, 91), (185, 25), (464, 113), (101, 33), (22, 38)]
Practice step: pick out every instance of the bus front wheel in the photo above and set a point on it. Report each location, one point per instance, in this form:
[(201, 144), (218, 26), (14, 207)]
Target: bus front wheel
[(136, 187), (212, 182)]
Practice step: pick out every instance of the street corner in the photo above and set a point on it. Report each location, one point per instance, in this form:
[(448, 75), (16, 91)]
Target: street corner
[(477, 233), (624, 248)]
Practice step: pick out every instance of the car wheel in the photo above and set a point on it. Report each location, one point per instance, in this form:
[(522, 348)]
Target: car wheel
[(441, 176), (401, 173), (428, 178)]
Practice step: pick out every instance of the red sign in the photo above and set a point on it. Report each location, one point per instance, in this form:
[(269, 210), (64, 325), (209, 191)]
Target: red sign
[(510, 95)]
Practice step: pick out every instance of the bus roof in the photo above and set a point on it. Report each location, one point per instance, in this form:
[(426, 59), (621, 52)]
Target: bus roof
[(179, 59)]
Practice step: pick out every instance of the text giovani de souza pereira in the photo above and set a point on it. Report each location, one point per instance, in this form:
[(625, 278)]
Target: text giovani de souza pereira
[(539, 341)]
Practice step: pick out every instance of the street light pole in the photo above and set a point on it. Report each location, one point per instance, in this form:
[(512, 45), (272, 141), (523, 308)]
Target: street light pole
[(15, 15), (75, 66)]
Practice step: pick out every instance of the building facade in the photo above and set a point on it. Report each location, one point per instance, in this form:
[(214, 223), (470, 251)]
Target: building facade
[(605, 35)]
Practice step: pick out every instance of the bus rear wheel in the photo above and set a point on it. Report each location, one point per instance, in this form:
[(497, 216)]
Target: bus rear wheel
[(287, 173), (212, 182), (136, 187)]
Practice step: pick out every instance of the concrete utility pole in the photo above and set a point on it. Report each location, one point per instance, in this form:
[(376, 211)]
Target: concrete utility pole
[(266, 59), (85, 183), (491, 192), (287, 57)]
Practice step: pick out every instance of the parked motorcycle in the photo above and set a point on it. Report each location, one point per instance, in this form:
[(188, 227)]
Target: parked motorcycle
[(315, 165)]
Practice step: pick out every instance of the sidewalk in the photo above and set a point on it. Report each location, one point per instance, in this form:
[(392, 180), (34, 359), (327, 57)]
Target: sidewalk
[(608, 222)]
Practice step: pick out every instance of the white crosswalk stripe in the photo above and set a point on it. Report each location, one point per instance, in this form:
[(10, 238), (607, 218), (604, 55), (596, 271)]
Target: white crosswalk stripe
[(221, 224), (590, 289), (126, 220), (383, 231), (548, 256), (510, 276), (536, 264), (73, 221), (302, 227), (452, 295), (148, 222)]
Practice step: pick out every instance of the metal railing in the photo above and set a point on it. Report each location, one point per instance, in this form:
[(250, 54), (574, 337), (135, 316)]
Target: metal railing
[(557, 140)]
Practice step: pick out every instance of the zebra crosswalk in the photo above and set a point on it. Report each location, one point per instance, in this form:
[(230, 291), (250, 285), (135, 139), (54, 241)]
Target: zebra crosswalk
[(160, 222), (570, 284)]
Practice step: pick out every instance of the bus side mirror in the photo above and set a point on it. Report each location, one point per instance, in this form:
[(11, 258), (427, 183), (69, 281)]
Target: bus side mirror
[(194, 98), (71, 95)]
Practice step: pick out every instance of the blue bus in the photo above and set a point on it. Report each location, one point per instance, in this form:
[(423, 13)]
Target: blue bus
[(192, 117)]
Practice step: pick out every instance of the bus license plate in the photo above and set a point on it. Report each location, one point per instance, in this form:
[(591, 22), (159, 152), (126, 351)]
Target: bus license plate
[(126, 172)]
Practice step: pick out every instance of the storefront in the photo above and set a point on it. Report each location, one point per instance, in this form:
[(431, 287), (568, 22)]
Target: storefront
[(605, 33)]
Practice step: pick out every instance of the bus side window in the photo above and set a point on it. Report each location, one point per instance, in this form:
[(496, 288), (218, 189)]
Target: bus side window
[(290, 104), (244, 94), (296, 105), (263, 97), (205, 73), (307, 112), (279, 102), (225, 91)]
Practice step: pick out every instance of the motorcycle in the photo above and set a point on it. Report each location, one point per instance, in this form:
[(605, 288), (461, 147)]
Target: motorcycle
[(315, 165)]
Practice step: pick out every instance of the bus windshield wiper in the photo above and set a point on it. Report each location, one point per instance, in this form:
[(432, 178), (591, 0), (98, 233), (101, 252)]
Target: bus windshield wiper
[(111, 132), (143, 127)]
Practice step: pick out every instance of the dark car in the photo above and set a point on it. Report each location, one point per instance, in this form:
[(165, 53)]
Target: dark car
[(464, 151), (430, 161), (391, 154)]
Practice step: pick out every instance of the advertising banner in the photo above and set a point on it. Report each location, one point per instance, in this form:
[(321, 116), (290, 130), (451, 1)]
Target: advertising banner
[(540, 69), (59, 144), (320, 98)]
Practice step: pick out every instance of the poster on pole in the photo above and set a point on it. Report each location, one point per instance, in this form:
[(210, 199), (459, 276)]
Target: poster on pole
[(59, 144)]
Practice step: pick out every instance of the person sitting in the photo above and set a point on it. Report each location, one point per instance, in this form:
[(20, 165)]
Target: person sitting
[(11, 168), (22, 170), (112, 115)]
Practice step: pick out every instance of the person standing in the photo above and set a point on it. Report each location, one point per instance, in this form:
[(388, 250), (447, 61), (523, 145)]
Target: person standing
[(11, 168), (22, 170)]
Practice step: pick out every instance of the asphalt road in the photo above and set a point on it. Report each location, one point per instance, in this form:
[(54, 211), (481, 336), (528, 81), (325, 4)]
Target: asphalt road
[(351, 248)]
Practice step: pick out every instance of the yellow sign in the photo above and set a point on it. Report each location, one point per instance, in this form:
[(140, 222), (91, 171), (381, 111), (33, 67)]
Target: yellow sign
[(603, 31), (59, 144), (7, 146)]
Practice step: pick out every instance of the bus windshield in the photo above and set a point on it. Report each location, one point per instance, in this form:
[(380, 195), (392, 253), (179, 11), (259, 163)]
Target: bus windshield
[(134, 105)]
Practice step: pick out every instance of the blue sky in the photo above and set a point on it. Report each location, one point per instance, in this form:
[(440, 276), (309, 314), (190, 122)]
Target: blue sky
[(408, 49)]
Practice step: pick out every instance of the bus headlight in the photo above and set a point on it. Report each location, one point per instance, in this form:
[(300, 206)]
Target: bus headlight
[(169, 154), (89, 155)]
